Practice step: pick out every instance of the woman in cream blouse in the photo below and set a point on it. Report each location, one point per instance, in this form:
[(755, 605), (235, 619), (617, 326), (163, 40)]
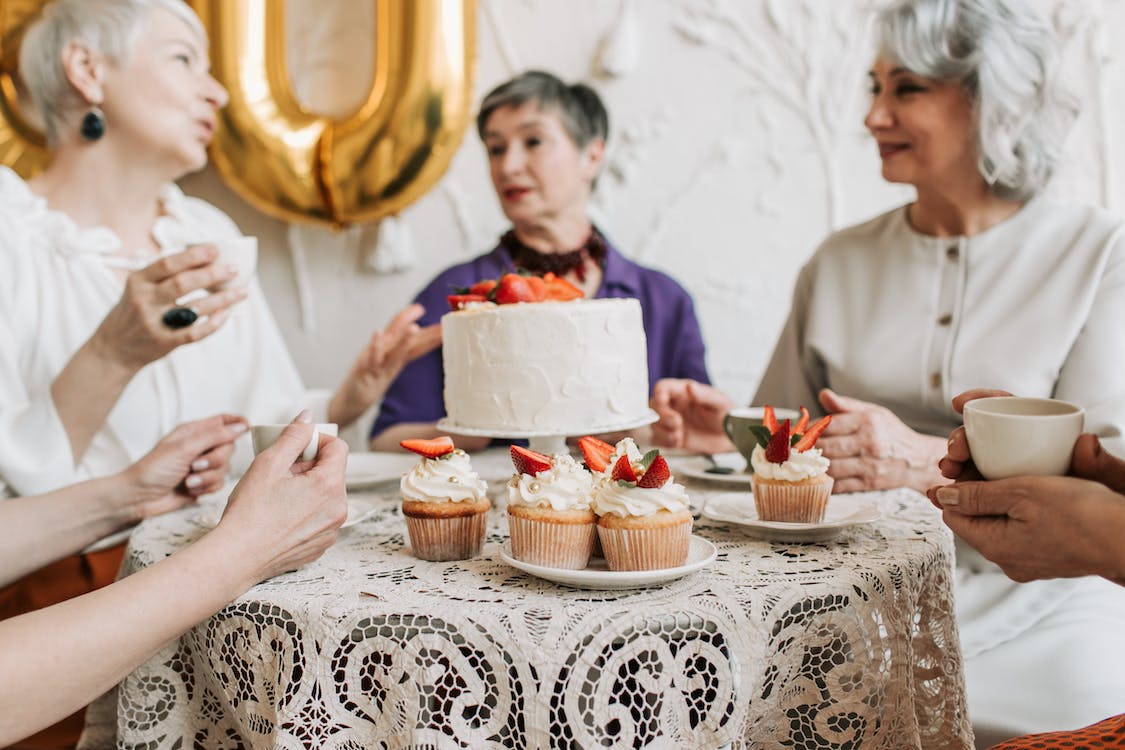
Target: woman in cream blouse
[(982, 280), (93, 371)]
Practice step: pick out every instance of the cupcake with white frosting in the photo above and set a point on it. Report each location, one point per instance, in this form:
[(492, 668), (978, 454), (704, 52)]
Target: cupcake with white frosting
[(644, 522), (444, 502), (790, 480), (550, 518)]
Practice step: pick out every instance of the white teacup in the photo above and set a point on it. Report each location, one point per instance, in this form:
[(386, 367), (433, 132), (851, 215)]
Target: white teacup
[(242, 253), (265, 435), (1012, 436)]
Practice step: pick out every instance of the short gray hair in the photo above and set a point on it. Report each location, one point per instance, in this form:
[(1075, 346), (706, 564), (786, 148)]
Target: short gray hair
[(107, 26), (1004, 55), (579, 106)]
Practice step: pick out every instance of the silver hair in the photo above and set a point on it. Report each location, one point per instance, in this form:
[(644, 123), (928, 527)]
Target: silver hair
[(106, 26), (579, 107), (1005, 56)]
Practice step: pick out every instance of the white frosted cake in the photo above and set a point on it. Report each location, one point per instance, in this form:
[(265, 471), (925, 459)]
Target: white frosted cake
[(560, 368)]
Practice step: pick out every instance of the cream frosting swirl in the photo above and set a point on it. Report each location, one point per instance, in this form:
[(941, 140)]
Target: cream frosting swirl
[(625, 447), (565, 486), (621, 499), (436, 480), (803, 465)]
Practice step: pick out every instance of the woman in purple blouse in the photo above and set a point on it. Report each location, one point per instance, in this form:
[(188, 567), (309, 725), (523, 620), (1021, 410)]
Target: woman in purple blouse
[(545, 142)]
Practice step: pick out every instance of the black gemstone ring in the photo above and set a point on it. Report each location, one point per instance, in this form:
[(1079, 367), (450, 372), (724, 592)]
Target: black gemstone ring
[(180, 317)]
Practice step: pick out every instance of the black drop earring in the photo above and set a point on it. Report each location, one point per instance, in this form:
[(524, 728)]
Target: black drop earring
[(93, 124)]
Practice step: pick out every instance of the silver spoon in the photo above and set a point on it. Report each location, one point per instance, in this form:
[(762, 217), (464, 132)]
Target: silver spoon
[(715, 468)]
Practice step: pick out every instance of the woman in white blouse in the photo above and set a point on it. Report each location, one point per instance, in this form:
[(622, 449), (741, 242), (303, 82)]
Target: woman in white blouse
[(91, 376), (95, 367), (981, 280)]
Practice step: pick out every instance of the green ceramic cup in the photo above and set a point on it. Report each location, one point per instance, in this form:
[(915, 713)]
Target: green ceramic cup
[(738, 423)]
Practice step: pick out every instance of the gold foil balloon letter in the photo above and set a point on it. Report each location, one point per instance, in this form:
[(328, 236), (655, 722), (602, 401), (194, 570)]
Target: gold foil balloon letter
[(289, 162), (296, 165), (22, 144)]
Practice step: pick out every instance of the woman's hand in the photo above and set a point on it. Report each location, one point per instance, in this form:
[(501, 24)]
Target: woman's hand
[(285, 514), (190, 461), (871, 449), (380, 362), (691, 416), (134, 334), (1039, 527)]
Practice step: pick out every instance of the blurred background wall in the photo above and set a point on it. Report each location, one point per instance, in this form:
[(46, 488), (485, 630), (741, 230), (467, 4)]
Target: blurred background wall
[(736, 145)]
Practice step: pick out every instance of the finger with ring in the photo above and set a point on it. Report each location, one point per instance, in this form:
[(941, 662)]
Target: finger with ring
[(180, 317)]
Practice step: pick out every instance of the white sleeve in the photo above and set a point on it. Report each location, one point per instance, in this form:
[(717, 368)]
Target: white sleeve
[(35, 454), (1094, 371)]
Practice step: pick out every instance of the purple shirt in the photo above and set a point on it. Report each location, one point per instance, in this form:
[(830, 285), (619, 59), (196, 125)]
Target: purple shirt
[(675, 344)]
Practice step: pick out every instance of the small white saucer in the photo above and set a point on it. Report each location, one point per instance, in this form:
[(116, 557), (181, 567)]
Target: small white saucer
[(843, 511), (697, 467), (373, 467), (209, 515), (597, 576)]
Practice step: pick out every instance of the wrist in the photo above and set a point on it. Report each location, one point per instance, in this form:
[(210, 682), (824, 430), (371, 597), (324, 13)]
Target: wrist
[(347, 404), (112, 365), (245, 558), (119, 497)]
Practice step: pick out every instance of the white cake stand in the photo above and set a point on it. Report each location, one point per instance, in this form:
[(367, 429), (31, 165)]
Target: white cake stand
[(548, 443)]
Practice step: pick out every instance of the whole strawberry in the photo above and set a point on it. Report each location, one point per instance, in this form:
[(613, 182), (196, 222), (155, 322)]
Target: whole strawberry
[(777, 451)]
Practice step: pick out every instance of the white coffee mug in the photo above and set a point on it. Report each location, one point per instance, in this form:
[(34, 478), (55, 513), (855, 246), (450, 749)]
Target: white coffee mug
[(265, 435), (1013, 436), (242, 253)]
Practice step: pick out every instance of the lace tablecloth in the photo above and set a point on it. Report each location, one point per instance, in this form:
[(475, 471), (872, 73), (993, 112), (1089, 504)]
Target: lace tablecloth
[(849, 643)]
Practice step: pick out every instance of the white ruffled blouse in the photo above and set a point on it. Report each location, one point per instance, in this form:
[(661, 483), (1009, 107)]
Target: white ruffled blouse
[(58, 283)]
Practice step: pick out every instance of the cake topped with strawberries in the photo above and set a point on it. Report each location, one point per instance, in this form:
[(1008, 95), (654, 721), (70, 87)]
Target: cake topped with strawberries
[(790, 481), (550, 521), (541, 481), (444, 474), (513, 288), (444, 502), (788, 453), (524, 356), (644, 522), (636, 484)]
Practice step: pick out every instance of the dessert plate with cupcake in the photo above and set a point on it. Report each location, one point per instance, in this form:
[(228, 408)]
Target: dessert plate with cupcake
[(842, 512), (622, 501), (791, 485)]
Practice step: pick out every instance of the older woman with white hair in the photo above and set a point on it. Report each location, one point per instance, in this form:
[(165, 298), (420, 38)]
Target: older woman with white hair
[(99, 358), (980, 280)]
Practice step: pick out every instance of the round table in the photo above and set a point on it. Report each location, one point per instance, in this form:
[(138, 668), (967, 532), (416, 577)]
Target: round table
[(849, 643)]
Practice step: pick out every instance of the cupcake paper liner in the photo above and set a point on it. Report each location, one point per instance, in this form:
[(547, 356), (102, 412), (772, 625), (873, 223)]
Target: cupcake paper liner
[(646, 549), (552, 545), (791, 503), (442, 539)]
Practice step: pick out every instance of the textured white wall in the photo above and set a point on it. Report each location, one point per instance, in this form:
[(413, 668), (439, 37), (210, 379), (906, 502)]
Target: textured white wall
[(737, 144)]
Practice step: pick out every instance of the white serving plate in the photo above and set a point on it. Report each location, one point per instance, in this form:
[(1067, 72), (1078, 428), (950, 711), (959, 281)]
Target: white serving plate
[(596, 576)]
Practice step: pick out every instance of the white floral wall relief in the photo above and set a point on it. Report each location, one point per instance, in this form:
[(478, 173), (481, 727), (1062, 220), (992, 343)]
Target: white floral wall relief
[(807, 58)]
